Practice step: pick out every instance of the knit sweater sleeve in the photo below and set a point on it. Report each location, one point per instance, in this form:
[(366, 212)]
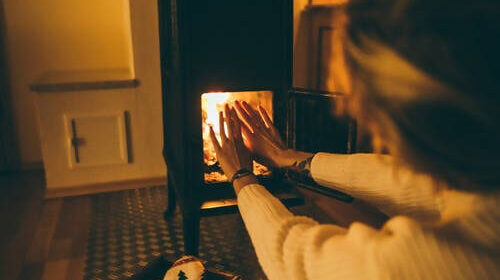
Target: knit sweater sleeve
[(374, 179), (294, 247), (284, 243)]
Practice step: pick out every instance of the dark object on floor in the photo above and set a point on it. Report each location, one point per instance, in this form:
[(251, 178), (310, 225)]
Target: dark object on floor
[(158, 268), (155, 270)]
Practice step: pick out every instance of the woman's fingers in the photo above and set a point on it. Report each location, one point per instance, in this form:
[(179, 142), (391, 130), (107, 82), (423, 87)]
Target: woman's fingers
[(244, 115), (257, 120), (273, 132), (265, 116), (236, 124), (215, 142), (261, 122), (250, 117), (249, 139), (246, 130), (222, 128), (230, 123)]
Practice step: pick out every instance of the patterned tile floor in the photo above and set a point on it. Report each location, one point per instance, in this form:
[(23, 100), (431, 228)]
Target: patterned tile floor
[(127, 232)]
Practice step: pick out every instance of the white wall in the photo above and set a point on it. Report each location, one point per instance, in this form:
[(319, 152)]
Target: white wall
[(47, 35), (146, 54)]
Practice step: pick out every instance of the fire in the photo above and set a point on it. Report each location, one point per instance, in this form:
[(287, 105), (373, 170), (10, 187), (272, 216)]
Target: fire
[(211, 104)]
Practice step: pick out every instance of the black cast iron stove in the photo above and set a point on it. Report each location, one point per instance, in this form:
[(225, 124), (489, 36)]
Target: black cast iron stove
[(226, 50)]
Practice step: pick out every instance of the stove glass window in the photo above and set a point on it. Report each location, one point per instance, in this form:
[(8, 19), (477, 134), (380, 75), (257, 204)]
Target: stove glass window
[(211, 104)]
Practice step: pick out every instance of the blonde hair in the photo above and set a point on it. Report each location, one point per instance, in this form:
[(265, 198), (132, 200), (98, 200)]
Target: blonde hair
[(424, 110)]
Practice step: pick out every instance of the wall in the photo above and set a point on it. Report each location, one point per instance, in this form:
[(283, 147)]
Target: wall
[(47, 35), (318, 55), (9, 159), (146, 54)]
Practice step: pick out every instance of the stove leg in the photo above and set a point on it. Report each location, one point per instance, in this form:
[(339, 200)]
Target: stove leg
[(191, 223), (171, 202), (171, 199)]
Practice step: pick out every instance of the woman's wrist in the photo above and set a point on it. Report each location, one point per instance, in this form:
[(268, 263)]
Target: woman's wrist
[(289, 157), (242, 182)]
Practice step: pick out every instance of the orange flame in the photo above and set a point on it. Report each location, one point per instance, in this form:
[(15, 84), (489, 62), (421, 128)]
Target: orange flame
[(211, 104)]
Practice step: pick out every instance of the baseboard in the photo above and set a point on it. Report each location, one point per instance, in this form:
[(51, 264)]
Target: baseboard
[(104, 187)]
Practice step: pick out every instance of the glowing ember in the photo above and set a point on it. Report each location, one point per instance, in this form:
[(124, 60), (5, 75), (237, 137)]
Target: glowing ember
[(211, 104)]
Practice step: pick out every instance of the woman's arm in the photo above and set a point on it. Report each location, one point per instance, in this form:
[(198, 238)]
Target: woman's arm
[(375, 179), (368, 177), (275, 233), (293, 247)]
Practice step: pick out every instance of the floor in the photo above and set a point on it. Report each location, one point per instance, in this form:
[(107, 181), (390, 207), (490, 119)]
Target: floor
[(42, 239), (46, 239), (128, 232), (57, 250), (20, 205)]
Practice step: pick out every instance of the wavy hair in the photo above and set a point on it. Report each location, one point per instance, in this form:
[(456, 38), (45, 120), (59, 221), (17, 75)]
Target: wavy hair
[(425, 78)]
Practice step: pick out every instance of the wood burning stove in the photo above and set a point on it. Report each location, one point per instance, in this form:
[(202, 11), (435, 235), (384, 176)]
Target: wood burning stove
[(213, 52)]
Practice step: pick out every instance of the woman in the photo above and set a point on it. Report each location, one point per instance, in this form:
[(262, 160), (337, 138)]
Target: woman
[(423, 77)]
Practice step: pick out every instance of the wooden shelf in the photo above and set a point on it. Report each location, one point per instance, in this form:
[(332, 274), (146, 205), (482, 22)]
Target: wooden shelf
[(61, 81)]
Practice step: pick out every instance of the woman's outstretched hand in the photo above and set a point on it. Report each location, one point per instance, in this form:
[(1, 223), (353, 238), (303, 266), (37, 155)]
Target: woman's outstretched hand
[(263, 139), (231, 152)]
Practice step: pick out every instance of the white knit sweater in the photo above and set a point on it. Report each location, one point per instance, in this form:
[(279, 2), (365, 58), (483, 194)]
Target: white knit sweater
[(431, 235)]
